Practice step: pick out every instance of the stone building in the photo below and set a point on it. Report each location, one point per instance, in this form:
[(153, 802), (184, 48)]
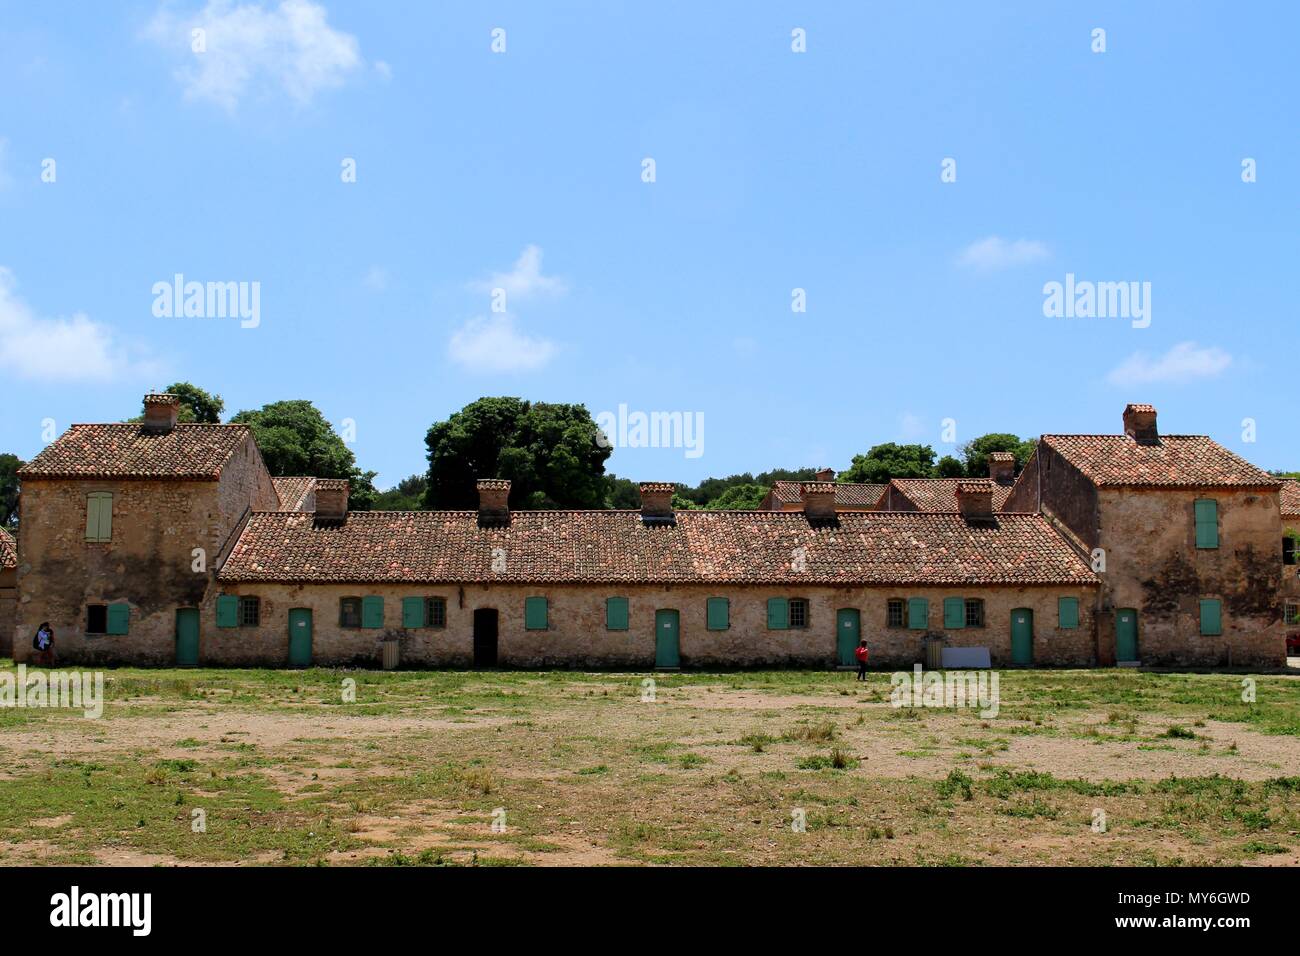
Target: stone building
[(1184, 535), (122, 526), (849, 496), (8, 591), (166, 543), (1290, 506), (940, 494)]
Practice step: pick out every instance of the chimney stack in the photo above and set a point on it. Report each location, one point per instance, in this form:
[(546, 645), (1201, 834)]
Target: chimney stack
[(1002, 467), (657, 502), (818, 498), (826, 474), (493, 502), (975, 499), (1140, 424), (331, 499), (160, 411)]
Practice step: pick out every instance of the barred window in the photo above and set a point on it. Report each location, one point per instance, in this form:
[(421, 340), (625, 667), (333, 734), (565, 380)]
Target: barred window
[(798, 612), (974, 612), (435, 612), (1292, 613), (250, 611), (350, 612), (896, 613)]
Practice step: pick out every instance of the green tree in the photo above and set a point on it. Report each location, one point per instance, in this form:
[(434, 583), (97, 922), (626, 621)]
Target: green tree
[(197, 405), (624, 493), (949, 467), (739, 498), (406, 495), (9, 465), (550, 453), (295, 439), (977, 450), (890, 460)]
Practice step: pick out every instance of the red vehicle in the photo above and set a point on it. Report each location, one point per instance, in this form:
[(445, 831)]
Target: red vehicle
[(1293, 644)]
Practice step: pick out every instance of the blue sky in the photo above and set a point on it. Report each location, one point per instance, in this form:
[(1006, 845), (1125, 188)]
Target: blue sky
[(774, 170)]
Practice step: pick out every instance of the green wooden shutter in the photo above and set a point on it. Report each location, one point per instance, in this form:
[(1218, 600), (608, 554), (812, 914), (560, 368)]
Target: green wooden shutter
[(718, 612), (99, 516), (413, 612), (954, 612), (92, 517), (1211, 618), (372, 611), (228, 611), (119, 619), (1067, 612), (778, 614), (536, 614), (1207, 523), (616, 614), (918, 614)]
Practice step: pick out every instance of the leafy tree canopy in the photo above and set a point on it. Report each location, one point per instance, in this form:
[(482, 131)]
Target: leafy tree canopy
[(890, 460), (295, 439), (739, 498), (196, 404), (976, 452), (548, 451), (406, 495), (949, 467), (9, 465)]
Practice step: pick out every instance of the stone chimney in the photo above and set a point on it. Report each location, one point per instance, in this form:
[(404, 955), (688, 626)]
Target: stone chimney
[(1002, 467), (818, 498), (657, 502), (975, 499), (826, 474), (332, 499), (1140, 424), (493, 502), (160, 411)]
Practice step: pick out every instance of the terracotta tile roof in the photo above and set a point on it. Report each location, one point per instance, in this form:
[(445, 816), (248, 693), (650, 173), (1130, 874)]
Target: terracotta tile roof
[(126, 451), (847, 494), (1176, 461), (293, 492), (939, 494), (8, 550), (1290, 497), (707, 547)]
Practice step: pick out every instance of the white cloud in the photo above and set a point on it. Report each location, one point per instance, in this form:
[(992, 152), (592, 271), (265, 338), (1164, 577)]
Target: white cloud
[(525, 279), (384, 70), (291, 46), (377, 279), (61, 350), (1185, 362), (495, 344), (994, 253), (911, 427)]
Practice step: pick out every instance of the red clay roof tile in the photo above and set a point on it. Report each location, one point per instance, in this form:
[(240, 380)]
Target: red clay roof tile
[(847, 494), (8, 550), (1176, 461), (715, 547), (126, 451)]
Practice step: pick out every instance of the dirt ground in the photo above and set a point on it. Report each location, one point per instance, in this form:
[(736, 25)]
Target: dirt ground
[(563, 769)]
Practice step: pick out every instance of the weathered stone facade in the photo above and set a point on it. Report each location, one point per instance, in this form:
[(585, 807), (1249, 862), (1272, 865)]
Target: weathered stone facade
[(149, 563), (577, 635), (8, 591)]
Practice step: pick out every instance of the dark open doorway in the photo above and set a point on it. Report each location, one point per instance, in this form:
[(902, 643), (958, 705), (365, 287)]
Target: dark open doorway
[(485, 637)]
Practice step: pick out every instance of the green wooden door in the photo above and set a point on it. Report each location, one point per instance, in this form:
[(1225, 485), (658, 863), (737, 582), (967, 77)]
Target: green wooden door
[(848, 627), (1022, 636), (667, 639), (1126, 634), (187, 637), (300, 637)]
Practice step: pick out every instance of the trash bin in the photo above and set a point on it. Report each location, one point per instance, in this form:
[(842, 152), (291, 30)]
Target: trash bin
[(391, 653), (933, 653)]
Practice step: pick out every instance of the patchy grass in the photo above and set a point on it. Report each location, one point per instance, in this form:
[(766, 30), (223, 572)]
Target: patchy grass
[(455, 768)]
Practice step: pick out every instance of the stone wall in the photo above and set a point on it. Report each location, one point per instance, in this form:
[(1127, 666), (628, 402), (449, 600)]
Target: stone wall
[(8, 609), (1154, 566), (149, 564), (577, 636)]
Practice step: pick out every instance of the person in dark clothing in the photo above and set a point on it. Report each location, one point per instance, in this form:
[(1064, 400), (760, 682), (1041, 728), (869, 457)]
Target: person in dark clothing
[(44, 644), (860, 652)]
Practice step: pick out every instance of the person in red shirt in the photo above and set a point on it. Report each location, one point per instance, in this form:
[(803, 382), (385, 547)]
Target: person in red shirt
[(860, 652)]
